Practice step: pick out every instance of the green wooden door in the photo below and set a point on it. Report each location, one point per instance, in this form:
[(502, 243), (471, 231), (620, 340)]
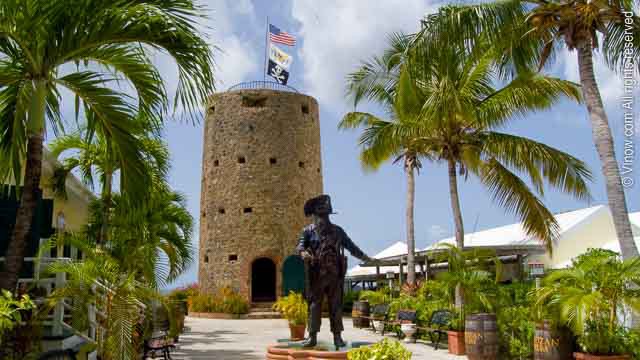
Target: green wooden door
[(293, 275)]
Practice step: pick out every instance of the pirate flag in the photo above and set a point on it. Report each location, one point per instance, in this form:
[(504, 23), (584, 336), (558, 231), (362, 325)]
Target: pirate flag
[(279, 62)]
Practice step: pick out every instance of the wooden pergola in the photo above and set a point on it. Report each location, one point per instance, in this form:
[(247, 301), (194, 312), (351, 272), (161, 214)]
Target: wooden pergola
[(432, 259)]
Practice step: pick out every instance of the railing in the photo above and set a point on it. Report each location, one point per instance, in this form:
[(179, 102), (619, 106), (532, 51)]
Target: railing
[(269, 85)]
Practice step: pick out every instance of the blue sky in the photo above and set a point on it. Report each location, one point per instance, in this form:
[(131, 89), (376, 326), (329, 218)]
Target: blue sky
[(333, 36)]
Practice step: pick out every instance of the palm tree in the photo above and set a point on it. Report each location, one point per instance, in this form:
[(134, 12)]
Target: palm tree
[(119, 297), (94, 154), (471, 274), (43, 47), (533, 33), (590, 294), (157, 234), (376, 80)]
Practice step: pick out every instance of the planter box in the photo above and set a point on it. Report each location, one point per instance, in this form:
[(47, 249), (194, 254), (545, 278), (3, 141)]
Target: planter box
[(583, 356), (455, 341), (217, 315)]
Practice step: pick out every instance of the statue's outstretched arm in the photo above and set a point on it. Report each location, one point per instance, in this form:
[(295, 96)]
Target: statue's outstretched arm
[(353, 248)]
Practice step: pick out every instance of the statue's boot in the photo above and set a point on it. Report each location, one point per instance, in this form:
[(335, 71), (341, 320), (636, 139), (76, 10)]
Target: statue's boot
[(337, 340), (311, 341)]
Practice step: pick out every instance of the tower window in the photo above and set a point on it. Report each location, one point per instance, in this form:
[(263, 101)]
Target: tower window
[(273, 161), (221, 211), (233, 257), (241, 160), (247, 210), (301, 164), (216, 162), (212, 109), (206, 258), (254, 101), (305, 108)]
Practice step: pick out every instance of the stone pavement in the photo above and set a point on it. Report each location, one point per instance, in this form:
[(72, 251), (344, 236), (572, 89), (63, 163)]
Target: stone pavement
[(248, 339)]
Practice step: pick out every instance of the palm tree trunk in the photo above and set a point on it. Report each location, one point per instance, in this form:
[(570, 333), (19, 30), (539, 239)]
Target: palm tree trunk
[(411, 240), (604, 144), (30, 191), (106, 207), (457, 217)]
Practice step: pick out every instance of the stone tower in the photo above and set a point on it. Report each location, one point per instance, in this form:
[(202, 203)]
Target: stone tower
[(261, 161)]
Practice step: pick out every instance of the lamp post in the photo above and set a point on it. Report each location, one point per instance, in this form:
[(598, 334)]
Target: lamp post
[(390, 275)]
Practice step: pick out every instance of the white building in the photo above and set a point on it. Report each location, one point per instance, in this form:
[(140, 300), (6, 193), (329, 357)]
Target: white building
[(579, 230)]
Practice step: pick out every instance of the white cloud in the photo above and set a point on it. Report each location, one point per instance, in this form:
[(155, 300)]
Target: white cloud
[(235, 62), (338, 34)]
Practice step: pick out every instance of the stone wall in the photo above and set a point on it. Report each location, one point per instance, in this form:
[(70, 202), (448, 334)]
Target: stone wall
[(261, 161)]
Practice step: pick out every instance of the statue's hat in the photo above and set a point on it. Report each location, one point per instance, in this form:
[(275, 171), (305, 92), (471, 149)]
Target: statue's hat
[(312, 205)]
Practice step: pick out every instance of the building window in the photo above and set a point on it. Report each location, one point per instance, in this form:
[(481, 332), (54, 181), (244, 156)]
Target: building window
[(241, 160), (233, 257), (221, 211), (305, 109), (206, 258), (254, 101), (301, 164), (273, 161), (212, 109), (247, 210), (216, 163)]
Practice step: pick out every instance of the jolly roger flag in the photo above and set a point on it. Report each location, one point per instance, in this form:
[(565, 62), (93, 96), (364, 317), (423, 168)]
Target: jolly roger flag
[(277, 72)]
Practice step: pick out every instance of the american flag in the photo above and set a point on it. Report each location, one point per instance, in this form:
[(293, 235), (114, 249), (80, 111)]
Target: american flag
[(281, 37)]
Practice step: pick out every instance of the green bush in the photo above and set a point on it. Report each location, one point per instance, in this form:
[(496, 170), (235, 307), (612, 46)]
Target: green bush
[(516, 330), (224, 301), (387, 349), (348, 299)]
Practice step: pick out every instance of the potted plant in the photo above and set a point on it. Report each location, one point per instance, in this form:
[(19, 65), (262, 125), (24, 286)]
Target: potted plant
[(472, 278), (589, 295), (455, 334), (377, 300), (294, 308)]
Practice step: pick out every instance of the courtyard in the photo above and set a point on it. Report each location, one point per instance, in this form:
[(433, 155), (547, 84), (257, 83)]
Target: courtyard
[(248, 339)]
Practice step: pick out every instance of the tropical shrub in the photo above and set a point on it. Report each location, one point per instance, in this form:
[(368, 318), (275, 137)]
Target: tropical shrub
[(516, 330), (348, 299), (20, 328), (375, 297), (384, 350), (589, 297), (12, 311), (293, 307), (225, 301)]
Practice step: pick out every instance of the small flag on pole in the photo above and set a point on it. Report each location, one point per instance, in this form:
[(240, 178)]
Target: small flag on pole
[(279, 62), (281, 37)]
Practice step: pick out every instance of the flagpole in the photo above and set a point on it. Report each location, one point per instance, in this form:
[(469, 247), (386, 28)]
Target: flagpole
[(266, 50)]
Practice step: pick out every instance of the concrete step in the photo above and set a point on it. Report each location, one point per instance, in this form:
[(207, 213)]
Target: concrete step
[(262, 306), (263, 315)]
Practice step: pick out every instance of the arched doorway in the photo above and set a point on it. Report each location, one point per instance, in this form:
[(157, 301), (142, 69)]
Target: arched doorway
[(293, 275), (263, 280)]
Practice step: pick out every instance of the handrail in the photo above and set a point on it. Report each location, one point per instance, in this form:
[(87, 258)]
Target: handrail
[(259, 84)]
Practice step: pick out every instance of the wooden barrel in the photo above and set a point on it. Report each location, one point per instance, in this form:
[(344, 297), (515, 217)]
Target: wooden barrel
[(481, 337), (550, 343), (360, 309)]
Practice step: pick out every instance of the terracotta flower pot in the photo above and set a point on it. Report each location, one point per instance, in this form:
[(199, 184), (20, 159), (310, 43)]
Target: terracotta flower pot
[(583, 356), (456, 342), (297, 331)]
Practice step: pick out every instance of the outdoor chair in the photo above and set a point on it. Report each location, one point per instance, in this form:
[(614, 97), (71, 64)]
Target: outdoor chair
[(439, 320)]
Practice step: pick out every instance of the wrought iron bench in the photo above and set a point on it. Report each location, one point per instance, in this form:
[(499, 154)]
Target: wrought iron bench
[(379, 312), (439, 320)]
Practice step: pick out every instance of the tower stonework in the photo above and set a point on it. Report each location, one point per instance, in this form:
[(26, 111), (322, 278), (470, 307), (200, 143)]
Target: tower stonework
[(261, 161)]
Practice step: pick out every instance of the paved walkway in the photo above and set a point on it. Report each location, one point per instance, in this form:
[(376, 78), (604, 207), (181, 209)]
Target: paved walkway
[(248, 339)]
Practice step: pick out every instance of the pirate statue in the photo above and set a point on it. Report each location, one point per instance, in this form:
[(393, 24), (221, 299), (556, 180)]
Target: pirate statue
[(322, 247)]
